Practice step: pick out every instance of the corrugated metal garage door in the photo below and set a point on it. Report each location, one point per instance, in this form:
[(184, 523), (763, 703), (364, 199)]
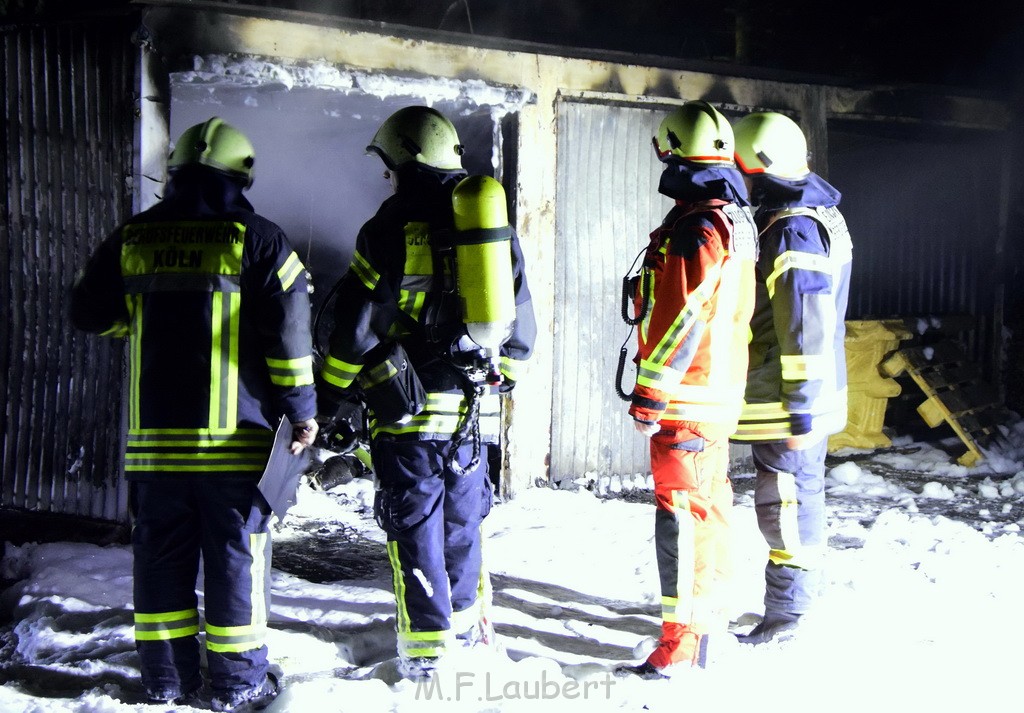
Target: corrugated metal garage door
[(607, 205), (68, 133), (923, 205)]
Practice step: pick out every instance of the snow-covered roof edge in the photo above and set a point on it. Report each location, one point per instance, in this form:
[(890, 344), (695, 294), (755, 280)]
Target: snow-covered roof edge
[(220, 71)]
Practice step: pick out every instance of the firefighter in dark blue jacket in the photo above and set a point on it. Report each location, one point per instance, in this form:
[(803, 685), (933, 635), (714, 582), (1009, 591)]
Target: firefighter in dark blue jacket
[(403, 326), (796, 384), (214, 303)]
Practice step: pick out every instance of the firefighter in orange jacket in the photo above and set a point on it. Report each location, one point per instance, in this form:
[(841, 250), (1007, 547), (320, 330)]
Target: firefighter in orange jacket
[(695, 297)]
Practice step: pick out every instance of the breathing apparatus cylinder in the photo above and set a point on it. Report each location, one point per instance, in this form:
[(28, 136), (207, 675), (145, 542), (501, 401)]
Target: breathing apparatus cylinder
[(483, 270)]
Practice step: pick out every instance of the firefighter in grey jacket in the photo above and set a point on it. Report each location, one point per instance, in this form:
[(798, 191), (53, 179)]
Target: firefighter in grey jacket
[(214, 303), (796, 385)]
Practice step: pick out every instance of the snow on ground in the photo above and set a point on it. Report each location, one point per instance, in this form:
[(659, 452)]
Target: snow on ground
[(920, 610)]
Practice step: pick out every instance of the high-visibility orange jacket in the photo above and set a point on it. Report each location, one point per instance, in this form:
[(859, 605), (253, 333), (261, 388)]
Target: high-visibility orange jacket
[(698, 276)]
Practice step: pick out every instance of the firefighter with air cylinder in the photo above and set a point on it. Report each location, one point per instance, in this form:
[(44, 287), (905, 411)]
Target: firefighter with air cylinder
[(431, 320)]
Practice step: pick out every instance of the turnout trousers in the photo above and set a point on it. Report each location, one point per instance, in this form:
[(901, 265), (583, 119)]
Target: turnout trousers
[(175, 520), (432, 518), (789, 499), (693, 498)]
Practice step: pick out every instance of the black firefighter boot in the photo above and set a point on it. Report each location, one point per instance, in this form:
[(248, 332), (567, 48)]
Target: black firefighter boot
[(775, 626)]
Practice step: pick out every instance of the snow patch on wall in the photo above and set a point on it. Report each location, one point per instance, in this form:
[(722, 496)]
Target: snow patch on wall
[(237, 71)]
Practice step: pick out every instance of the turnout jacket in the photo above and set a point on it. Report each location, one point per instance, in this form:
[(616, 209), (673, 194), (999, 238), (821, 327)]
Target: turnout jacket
[(698, 274), (399, 287), (797, 379), (215, 306)]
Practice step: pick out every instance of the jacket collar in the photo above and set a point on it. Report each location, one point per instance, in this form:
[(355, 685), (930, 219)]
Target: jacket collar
[(691, 183)]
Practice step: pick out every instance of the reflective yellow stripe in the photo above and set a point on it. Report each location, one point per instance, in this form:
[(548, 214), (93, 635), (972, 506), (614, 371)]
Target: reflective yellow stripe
[(232, 631), (411, 302), (423, 643), (804, 367), (199, 438), (510, 367), (164, 617), (772, 431), (163, 626), (290, 270), (209, 455), (657, 376), (166, 634), (686, 318), (339, 373), (231, 395), (216, 359), (789, 526), (231, 467), (240, 638), (377, 374), (764, 410), (793, 259), (259, 542), (364, 271), (291, 372), (424, 635), (246, 637), (669, 607), (135, 357), (402, 623)]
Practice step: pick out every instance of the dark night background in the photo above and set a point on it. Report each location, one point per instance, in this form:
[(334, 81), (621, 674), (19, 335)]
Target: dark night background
[(966, 48), (970, 46)]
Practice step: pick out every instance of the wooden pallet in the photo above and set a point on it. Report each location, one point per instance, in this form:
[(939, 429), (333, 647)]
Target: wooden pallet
[(956, 393)]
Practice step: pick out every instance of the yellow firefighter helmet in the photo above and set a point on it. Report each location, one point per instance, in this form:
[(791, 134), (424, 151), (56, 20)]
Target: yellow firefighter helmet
[(773, 144), (418, 134), (217, 144), (695, 132)]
